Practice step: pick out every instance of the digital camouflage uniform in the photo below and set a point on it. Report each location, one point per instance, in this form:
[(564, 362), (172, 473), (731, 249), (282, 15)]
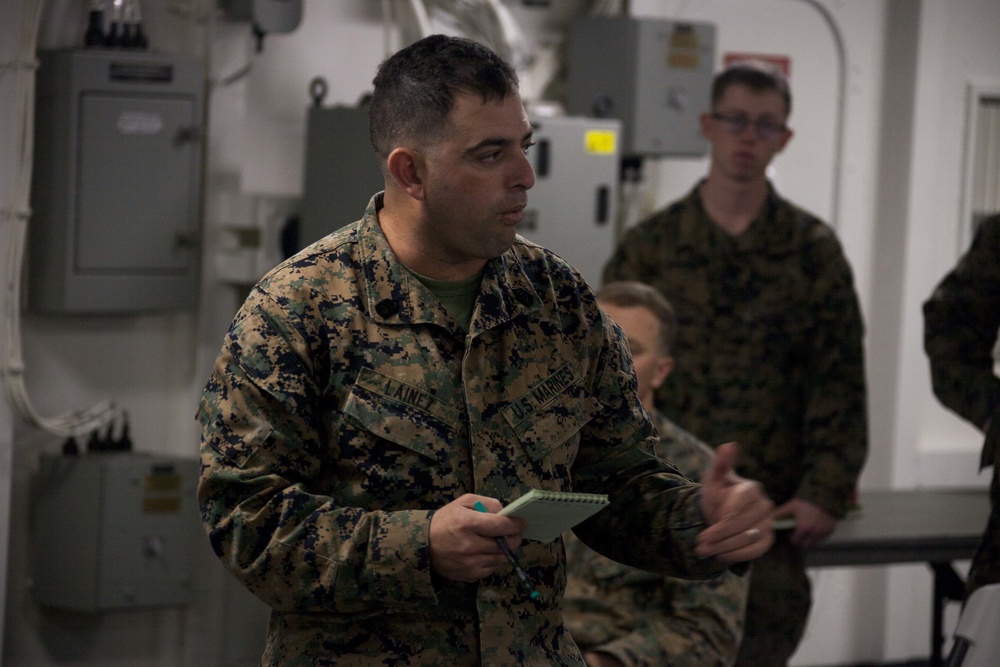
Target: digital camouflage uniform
[(961, 319), (346, 406), (642, 618), (769, 354)]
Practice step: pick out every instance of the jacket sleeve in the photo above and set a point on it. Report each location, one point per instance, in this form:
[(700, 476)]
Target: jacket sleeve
[(649, 497), (961, 319), (627, 260), (292, 547), (835, 419), (670, 621)]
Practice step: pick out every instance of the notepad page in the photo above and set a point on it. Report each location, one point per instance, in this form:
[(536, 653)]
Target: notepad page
[(548, 514)]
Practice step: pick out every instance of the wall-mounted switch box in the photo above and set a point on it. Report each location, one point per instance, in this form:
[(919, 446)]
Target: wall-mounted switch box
[(115, 531), (116, 192), (653, 75)]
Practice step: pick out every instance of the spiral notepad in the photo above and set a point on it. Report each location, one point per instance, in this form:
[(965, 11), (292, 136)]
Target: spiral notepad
[(549, 513)]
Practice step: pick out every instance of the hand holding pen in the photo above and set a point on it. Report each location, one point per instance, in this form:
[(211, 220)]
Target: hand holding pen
[(521, 574), (462, 541)]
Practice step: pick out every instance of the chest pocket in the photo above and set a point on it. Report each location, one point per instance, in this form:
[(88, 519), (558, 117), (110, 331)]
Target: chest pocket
[(402, 414), (548, 418)]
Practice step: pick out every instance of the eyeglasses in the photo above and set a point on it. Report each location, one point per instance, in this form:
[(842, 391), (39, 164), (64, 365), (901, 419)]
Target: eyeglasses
[(737, 123)]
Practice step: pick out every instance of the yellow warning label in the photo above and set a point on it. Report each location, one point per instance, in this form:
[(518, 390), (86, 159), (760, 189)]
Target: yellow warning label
[(683, 50), (163, 482), (680, 60), (600, 142), (170, 505)]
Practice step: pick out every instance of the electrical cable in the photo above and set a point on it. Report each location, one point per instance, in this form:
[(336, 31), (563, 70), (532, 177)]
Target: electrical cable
[(838, 149), (18, 214), (493, 24), (242, 71), (489, 22)]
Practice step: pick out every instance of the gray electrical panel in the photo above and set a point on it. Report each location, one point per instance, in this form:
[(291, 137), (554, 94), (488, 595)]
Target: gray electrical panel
[(116, 193), (115, 531), (652, 74), (342, 172), (573, 205)]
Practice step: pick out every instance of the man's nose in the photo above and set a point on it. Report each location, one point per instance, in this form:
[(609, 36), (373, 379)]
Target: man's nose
[(749, 128), (525, 173)]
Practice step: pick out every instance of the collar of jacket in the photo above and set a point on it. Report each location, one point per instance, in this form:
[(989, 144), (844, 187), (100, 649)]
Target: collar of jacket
[(773, 232), (395, 296)]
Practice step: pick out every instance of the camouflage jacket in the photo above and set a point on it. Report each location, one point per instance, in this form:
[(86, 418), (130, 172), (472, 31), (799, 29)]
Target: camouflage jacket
[(346, 406), (642, 618), (961, 319), (769, 347)]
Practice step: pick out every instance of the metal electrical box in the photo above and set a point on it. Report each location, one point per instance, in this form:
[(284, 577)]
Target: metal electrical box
[(573, 205), (652, 74), (116, 531), (116, 194), (341, 173)]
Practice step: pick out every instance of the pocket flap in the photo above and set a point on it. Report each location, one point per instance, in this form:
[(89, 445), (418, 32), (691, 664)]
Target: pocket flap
[(401, 413)]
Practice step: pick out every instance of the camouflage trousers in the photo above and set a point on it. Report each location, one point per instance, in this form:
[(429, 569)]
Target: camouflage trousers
[(986, 563), (777, 606)]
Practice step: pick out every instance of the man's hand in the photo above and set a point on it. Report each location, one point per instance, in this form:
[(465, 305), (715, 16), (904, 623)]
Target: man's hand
[(812, 523), (738, 512), (462, 540)]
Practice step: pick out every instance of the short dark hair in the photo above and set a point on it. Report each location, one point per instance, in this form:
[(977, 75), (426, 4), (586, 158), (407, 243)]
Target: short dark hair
[(633, 294), (415, 88), (757, 75)]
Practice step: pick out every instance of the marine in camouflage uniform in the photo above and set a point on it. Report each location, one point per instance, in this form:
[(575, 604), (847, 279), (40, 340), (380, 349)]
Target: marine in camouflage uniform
[(961, 319), (769, 354), (358, 411), (644, 619), (347, 406)]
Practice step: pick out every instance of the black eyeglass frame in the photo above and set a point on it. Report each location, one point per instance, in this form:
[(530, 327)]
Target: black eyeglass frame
[(736, 123)]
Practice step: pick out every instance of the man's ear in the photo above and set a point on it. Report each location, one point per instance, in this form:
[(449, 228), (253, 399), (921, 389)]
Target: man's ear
[(664, 365), (407, 168), (784, 141), (705, 125)]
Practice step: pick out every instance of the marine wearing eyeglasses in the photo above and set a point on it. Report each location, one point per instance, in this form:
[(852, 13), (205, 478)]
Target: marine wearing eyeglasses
[(769, 343)]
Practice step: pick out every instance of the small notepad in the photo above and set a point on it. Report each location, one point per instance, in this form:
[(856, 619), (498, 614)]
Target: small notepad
[(549, 513)]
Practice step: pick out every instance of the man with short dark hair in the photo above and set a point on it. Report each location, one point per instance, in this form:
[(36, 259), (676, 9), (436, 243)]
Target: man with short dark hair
[(769, 346), (383, 382)]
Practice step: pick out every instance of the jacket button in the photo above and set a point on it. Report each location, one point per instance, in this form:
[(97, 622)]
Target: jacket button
[(386, 308)]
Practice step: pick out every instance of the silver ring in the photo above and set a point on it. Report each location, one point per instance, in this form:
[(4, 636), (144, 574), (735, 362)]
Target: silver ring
[(752, 533)]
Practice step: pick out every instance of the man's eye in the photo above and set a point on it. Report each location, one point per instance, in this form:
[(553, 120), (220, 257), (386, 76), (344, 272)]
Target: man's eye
[(528, 145)]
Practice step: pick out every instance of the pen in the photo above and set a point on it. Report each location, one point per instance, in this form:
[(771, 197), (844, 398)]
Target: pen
[(479, 507)]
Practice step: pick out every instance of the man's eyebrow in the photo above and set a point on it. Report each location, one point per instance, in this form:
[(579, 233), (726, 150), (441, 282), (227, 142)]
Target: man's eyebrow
[(496, 142)]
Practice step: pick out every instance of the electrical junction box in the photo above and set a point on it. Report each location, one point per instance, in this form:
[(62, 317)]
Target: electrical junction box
[(572, 208), (116, 195), (652, 74), (116, 531)]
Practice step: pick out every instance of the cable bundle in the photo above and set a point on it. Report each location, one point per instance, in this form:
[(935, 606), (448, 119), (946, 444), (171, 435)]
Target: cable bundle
[(17, 215)]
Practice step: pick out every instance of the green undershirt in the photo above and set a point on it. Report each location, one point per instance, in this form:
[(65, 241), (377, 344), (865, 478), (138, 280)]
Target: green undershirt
[(457, 296)]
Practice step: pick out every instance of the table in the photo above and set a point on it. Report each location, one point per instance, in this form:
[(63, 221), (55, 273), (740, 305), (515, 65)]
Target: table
[(935, 526)]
